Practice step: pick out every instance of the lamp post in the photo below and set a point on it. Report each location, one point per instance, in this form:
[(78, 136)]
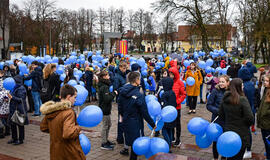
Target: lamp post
[(50, 41)]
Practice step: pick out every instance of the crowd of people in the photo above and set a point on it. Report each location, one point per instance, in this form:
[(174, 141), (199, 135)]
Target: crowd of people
[(233, 99)]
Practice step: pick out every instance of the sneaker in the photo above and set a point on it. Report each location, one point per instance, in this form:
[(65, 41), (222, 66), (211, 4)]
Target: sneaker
[(247, 154), (194, 111), (111, 143), (18, 143), (124, 152), (177, 143), (106, 146), (36, 115), (190, 111)]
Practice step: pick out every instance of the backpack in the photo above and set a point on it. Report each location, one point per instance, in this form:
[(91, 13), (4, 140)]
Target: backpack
[(44, 93)]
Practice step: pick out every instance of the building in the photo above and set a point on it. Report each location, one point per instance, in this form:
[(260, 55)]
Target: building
[(189, 37), (4, 9)]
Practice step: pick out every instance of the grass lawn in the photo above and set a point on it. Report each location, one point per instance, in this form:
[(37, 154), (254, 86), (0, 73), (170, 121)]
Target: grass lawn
[(260, 65)]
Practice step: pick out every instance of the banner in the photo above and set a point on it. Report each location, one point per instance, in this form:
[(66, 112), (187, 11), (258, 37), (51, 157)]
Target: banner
[(123, 47)]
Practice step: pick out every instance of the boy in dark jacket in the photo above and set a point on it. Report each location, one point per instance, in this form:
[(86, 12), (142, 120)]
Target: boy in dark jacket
[(105, 103), (132, 110), (168, 98)]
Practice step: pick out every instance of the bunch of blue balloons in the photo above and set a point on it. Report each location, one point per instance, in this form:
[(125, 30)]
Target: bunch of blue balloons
[(150, 146), (228, 143), (9, 83)]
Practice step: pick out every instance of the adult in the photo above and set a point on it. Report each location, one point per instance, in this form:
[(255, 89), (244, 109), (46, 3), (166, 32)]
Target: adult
[(36, 77), (17, 101), (89, 81), (193, 91), (180, 93), (233, 70), (214, 102), (69, 75), (54, 83), (263, 115), (236, 112), (133, 109)]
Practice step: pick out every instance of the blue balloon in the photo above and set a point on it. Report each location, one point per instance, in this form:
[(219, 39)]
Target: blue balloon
[(209, 62), (77, 77), (197, 126), (185, 56), (23, 68), (168, 114), (164, 55), (73, 54), (190, 81), (218, 69), (161, 93), (186, 63), (62, 77), (28, 83), (141, 145), (154, 108), (111, 88), (85, 144), (150, 97), (229, 144), (160, 124), (201, 64), (159, 145), (72, 82), (55, 60), (62, 84), (9, 83), (82, 94), (60, 71), (208, 69), (213, 131), (89, 54), (148, 155), (203, 141), (90, 116), (2, 65), (224, 71), (185, 84), (141, 62), (82, 83), (144, 73), (160, 57), (184, 102)]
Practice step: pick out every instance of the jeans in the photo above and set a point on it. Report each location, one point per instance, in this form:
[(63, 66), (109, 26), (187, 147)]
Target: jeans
[(266, 133), (168, 135), (37, 102), (192, 100), (106, 125), (178, 126)]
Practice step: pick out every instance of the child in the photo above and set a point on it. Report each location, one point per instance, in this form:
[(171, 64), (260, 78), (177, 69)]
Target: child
[(211, 82), (60, 122), (152, 82), (168, 98), (105, 99)]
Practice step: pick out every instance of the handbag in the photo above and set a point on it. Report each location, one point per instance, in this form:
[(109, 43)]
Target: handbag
[(17, 117)]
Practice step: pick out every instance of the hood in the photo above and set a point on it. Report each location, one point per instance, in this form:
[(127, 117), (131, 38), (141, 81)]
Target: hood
[(167, 83), (244, 74), (135, 67), (52, 107), (173, 63), (249, 64), (128, 90), (175, 72), (18, 79)]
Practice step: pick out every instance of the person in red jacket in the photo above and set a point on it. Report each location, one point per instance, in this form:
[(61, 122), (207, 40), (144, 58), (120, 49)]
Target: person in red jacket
[(179, 90)]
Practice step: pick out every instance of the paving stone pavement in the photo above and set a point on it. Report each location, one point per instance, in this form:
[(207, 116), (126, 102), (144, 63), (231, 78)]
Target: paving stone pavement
[(36, 146)]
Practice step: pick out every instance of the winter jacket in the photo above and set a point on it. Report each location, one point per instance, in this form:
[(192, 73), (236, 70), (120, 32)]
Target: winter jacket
[(119, 79), (89, 80), (111, 72), (178, 87), (232, 72), (195, 89), (4, 104), (36, 77), (167, 63), (249, 88), (211, 83), (263, 114), (54, 86), (213, 103), (105, 98), (152, 87), (252, 69), (132, 107), (168, 98), (18, 99), (60, 122), (238, 118)]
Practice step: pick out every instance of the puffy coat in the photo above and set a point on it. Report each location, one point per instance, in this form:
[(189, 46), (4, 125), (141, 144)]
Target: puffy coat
[(213, 103), (195, 89), (132, 107), (18, 99), (89, 80), (54, 86), (178, 87), (252, 69), (105, 98), (167, 63), (249, 88), (168, 98), (119, 79), (263, 114), (237, 118), (60, 122), (36, 76)]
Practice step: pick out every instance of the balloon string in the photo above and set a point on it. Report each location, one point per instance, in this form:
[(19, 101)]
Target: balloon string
[(215, 119), (152, 133)]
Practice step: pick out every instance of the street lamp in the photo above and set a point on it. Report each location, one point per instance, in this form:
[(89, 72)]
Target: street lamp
[(50, 42)]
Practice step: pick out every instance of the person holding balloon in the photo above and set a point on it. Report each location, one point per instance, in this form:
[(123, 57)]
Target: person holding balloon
[(180, 93), (132, 110), (263, 115), (236, 112), (60, 122), (193, 88), (105, 103), (168, 98), (213, 104)]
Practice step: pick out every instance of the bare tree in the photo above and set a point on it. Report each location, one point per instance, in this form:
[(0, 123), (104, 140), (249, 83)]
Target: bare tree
[(4, 17), (90, 22), (140, 25)]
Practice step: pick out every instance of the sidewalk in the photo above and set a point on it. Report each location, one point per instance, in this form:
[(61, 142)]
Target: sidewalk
[(36, 146)]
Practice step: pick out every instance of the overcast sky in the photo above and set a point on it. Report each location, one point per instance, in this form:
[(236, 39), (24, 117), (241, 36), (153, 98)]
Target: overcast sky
[(96, 4)]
